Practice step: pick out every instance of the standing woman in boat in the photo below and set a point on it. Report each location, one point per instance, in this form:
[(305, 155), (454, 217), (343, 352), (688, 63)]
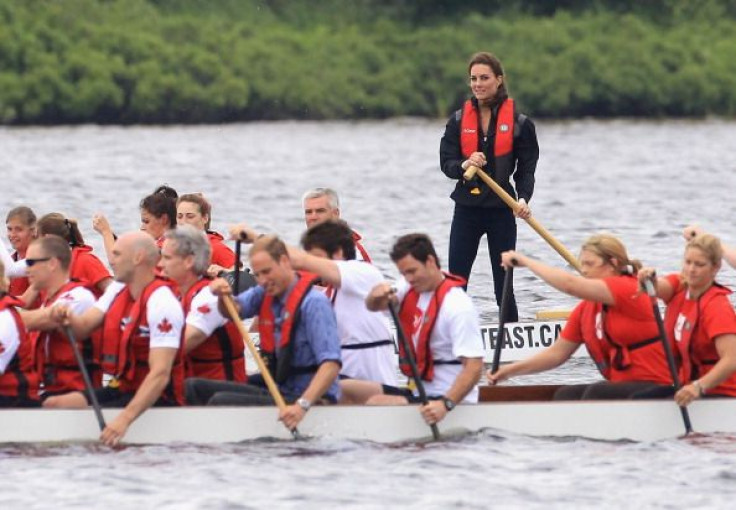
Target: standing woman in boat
[(702, 321), (85, 266), (490, 133), (193, 209), (21, 225), (615, 321)]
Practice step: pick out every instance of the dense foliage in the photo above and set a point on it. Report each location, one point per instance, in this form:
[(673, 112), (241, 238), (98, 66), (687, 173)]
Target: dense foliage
[(162, 61)]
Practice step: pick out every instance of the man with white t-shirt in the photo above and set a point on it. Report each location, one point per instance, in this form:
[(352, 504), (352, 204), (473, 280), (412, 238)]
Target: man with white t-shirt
[(142, 323), (48, 260), (213, 345), (441, 323), (367, 347), (322, 204)]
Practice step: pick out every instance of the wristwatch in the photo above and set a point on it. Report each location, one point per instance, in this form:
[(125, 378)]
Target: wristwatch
[(304, 404), (449, 404)]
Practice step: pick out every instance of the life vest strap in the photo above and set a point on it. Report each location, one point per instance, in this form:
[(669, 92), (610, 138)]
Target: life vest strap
[(367, 345)]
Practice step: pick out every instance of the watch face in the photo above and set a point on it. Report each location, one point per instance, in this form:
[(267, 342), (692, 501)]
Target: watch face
[(449, 404)]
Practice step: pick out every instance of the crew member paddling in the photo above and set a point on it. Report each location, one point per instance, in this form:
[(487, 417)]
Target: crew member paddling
[(298, 337), (213, 346), (440, 321), (49, 259), (614, 321), (18, 378), (142, 324), (701, 320)]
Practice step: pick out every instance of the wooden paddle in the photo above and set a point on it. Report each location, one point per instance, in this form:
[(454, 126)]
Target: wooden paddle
[(273, 389), (501, 331), (85, 375), (649, 286), (514, 205), (413, 364)]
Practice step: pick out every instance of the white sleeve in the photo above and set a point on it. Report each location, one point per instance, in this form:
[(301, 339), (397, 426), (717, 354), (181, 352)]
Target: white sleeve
[(358, 278), (13, 268), (165, 319), (467, 341), (204, 313), (9, 339), (78, 299), (105, 300)]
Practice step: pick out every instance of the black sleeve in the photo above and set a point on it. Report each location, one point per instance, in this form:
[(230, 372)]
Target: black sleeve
[(527, 155), (450, 155)]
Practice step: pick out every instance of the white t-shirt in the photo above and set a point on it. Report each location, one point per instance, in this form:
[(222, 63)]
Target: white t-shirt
[(9, 339), (79, 299), (358, 325), (13, 268), (163, 311), (204, 313), (456, 334)]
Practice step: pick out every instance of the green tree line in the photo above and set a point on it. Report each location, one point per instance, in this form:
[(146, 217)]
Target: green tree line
[(189, 61)]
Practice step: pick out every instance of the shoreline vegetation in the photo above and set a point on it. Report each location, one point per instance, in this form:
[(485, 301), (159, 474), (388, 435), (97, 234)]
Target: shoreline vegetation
[(214, 61)]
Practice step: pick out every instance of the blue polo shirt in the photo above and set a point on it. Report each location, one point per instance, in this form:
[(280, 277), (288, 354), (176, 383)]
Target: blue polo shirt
[(315, 338)]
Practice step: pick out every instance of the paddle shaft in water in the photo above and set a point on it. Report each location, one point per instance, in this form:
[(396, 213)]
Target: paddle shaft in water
[(85, 375), (501, 331), (514, 205), (273, 389), (649, 286), (408, 352)]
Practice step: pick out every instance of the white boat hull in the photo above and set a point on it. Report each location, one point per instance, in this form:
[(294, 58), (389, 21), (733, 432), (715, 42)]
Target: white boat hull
[(603, 420)]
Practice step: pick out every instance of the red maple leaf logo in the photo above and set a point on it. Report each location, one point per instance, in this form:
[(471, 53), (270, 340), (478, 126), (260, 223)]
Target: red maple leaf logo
[(67, 297), (2, 348), (165, 326), (204, 309)]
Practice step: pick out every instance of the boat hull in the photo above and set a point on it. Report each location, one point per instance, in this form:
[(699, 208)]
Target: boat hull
[(603, 420)]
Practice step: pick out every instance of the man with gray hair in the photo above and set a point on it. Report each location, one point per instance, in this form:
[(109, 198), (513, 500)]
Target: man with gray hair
[(142, 324), (322, 204), (213, 346)]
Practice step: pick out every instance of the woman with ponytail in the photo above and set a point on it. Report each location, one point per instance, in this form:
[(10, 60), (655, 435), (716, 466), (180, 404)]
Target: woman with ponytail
[(615, 321), (85, 265)]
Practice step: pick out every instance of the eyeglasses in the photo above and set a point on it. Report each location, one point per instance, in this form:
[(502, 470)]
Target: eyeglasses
[(33, 262)]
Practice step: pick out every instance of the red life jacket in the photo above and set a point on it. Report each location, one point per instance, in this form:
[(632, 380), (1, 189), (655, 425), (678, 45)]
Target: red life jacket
[(54, 357), (18, 285), (220, 356), (280, 365), (607, 353), (20, 379), (408, 311), (359, 246), (126, 344), (697, 354)]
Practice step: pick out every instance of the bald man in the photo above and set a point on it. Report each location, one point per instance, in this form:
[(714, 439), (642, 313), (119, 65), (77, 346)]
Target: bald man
[(140, 317)]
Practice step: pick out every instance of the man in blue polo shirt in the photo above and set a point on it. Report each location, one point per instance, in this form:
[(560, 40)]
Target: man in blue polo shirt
[(298, 338)]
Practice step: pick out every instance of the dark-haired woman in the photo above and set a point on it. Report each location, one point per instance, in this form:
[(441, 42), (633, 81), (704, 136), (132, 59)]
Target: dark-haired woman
[(193, 209), (490, 133), (85, 265)]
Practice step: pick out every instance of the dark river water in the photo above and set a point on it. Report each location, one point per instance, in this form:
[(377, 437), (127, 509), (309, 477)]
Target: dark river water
[(643, 181)]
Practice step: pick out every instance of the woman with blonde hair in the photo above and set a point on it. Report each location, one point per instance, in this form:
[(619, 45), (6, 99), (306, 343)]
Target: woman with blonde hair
[(701, 320), (85, 265), (615, 321), (21, 224)]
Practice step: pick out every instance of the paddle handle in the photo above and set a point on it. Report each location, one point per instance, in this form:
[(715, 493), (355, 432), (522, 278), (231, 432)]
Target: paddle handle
[(514, 205), (236, 283), (501, 331), (273, 389), (649, 286), (412, 363), (85, 376)]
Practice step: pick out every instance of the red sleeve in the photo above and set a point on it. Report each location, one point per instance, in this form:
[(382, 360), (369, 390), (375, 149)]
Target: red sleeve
[(675, 280), (222, 255), (719, 318), (89, 268), (628, 299), (573, 330)]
